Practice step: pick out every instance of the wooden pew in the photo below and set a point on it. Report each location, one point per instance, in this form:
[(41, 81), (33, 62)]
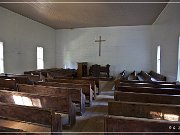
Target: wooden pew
[(61, 104), (144, 116), (76, 93), (143, 76), (151, 82), (120, 77), (146, 98), (9, 84), (86, 89), (132, 76), (32, 115), (120, 125), (157, 76), (170, 91), (154, 85), (77, 81)]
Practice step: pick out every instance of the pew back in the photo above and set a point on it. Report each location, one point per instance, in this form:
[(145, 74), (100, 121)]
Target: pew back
[(31, 115), (146, 98)]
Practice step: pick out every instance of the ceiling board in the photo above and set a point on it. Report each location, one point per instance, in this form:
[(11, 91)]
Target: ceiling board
[(61, 16)]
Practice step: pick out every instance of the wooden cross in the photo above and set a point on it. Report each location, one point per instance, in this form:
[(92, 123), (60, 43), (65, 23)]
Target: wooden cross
[(100, 40)]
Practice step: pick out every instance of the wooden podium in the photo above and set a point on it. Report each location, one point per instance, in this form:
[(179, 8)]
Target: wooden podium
[(82, 69)]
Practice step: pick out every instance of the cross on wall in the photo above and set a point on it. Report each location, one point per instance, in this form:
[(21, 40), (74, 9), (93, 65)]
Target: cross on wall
[(100, 40)]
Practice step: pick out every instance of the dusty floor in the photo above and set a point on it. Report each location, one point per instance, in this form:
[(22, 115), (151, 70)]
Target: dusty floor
[(92, 120)]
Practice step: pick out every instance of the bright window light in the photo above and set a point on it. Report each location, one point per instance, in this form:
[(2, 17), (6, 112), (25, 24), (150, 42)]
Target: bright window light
[(40, 58), (178, 72), (158, 59), (1, 58)]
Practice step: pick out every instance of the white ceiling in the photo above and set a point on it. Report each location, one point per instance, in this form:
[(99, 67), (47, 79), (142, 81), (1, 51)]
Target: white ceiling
[(80, 15)]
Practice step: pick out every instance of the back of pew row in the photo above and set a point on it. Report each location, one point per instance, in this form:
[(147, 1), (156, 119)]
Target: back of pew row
[(32, 115), (60, 104), (75, 93), (144, 110), (151, 82), (77, 81), (157, 76), (120, 124), (9, 84), (170, 91), (146, 98), (143, 76), (85, 88), (141, 117), (149, 85)]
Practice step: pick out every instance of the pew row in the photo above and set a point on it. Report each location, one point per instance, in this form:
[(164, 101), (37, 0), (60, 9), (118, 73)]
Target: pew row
[(77, 81), (120, 124), (144, 110), (31, 115), (157, 76), (143, 76), (154, 85), (146, 98), (76, 94), (142, 117), (60, 104), (9, 84), (170, 91), (85, 88)]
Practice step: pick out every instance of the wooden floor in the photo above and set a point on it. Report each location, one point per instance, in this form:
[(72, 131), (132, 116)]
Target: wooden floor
[(93, 119)]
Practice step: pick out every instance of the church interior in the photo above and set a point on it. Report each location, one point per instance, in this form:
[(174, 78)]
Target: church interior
[(92, 67)]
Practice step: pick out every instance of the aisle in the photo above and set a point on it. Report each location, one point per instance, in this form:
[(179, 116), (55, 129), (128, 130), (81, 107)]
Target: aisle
[(93, 119)]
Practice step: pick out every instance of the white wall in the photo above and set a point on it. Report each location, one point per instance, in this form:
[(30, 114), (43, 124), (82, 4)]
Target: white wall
[(126, 47), (166, 32), (21, 36)]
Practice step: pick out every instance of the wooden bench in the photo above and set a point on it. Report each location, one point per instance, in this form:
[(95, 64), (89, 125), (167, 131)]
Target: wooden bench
[(146, 98), (132, 76), (76, 93), (143, 76), (86, 89), (61, 104), (157, 76), (31, 115), (170, 91), (9, 84), (140, 113), (151, 82), (121, 125), (154, 85), (77, 81)]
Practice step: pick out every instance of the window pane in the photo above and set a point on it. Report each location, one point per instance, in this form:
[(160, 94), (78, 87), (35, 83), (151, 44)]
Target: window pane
[(1, 58), (178, 72), (158, 59), (40, 60)]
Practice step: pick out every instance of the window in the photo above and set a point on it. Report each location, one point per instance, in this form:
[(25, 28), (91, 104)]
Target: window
[(178, 72), (40, 59), (158, 59), (1, 58)]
